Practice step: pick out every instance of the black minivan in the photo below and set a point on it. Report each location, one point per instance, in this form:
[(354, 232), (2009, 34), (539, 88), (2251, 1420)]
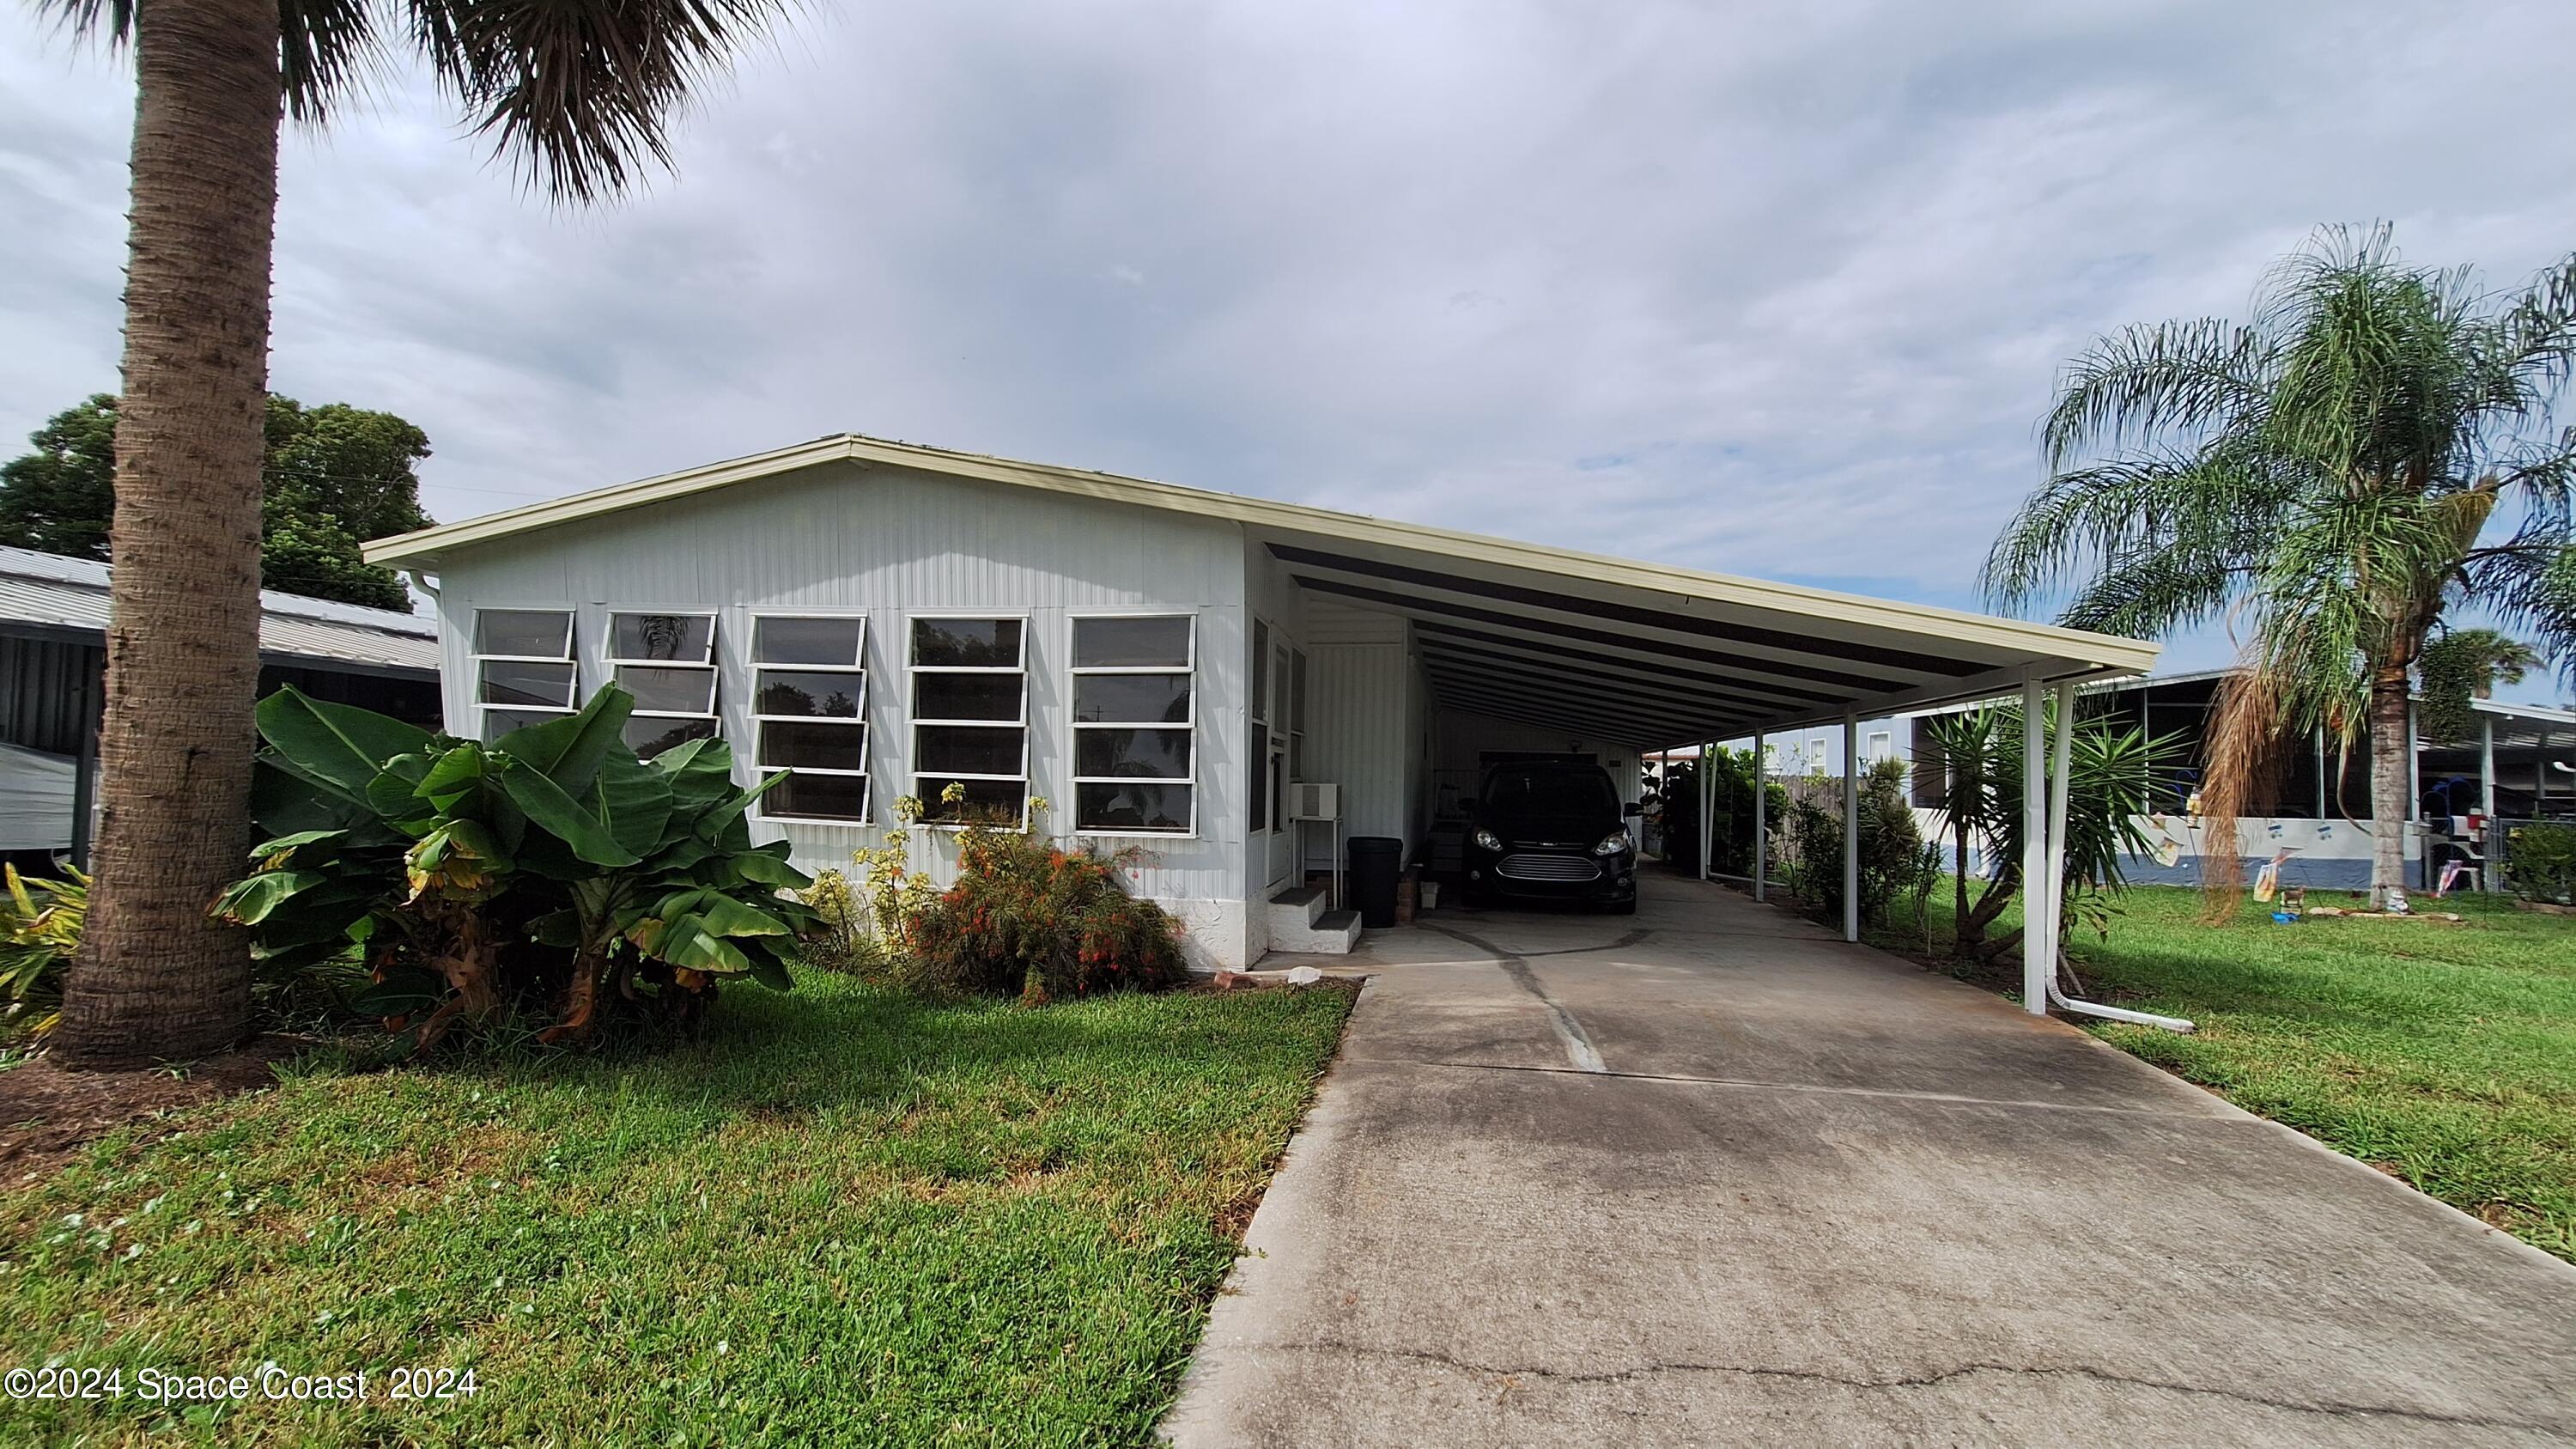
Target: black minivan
[(1552, 830)]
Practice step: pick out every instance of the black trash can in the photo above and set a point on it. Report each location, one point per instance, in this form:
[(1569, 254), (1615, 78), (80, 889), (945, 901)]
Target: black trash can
[(1377, 864)]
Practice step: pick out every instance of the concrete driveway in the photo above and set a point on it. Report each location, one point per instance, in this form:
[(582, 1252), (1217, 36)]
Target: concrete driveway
[(1709, 1175)]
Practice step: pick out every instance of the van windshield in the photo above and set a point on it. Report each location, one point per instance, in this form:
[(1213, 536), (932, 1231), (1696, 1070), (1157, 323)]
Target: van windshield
[(1533, 793)]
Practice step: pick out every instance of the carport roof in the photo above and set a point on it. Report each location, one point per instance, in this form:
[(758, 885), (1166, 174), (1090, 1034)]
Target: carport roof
[(1642, 653)]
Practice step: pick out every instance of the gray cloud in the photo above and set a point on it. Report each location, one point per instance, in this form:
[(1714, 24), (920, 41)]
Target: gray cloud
[(1766, 288)]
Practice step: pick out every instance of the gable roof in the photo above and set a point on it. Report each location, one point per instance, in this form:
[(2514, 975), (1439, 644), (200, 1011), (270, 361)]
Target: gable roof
[(49, 594), (1660, 652)]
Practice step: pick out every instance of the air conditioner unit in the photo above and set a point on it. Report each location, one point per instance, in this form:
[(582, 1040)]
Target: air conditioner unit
[(1314, 802)]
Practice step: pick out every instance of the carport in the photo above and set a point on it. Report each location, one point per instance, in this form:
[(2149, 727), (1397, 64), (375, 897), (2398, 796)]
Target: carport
[(1654, 656)]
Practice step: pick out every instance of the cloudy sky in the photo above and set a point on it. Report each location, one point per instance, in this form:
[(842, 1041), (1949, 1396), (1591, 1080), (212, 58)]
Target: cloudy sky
[(1764, 288)]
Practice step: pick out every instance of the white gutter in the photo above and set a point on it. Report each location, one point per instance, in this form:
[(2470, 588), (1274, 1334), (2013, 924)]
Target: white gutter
[(2061, 749)]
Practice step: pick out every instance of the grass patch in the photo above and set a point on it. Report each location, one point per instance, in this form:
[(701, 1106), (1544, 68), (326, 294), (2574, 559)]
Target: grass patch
[(847, 1216), (2443, 1053)]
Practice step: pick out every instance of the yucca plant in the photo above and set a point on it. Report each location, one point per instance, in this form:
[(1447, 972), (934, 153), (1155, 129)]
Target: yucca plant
[(551, 862), (2113, 775)]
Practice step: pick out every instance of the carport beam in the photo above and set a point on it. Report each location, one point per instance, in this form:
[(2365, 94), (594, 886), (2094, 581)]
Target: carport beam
[(1851, 826), (2036, 967)]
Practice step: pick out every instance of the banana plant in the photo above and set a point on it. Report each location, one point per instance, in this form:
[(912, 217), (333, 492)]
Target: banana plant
[(551, 853)]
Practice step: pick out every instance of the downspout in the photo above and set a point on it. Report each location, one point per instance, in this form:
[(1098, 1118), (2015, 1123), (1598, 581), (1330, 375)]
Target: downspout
[(421, 582), (2061, 750)]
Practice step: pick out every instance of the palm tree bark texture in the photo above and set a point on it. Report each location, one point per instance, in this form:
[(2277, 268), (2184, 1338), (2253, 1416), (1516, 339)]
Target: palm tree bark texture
[(157, 978)]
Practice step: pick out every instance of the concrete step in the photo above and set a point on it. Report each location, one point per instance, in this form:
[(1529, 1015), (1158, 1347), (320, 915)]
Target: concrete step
[(1295, 908), (1332, 934)]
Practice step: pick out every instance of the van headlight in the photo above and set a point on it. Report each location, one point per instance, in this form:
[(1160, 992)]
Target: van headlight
[(1488, 840), (1611, 844)]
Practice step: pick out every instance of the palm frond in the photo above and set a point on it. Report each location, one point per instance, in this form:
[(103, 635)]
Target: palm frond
[(329, 51), (2134, 385), (2203, 516), (580, 94), (109, 21)]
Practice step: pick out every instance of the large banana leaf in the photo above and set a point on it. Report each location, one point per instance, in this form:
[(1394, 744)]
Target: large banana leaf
[(339, 744), (635, 799), (568, 751), (588, 836)]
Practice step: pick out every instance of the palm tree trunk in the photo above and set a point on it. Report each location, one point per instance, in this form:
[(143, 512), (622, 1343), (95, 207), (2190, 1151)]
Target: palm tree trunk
[(157, 980), (2389, 807)]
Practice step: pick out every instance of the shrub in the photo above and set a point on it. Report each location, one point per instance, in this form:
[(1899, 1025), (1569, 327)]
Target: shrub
[(1731, 823), (40, 931), (1028, 917), (841, 940), (2540, 861), (549, 868), (1890, 842), (1023, 916)]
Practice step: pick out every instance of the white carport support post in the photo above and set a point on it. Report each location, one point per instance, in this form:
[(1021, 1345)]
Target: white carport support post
[(1851, 826), (2486, 768), (1761, 819), (2037, 965), (1707, 805)]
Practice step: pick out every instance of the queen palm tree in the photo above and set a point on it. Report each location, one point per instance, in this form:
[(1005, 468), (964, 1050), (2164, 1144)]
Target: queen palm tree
[(579, 95), (2377, 446)]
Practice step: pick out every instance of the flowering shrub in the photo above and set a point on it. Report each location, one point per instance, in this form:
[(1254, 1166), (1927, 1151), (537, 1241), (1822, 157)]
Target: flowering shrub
[(1025, 916)]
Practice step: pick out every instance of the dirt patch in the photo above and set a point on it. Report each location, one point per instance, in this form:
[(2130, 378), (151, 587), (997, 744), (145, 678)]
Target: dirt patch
[(47, 1111)]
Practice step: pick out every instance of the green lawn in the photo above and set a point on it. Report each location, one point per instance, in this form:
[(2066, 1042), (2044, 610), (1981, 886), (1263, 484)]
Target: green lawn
[(845, 1217), (2443, 1053)]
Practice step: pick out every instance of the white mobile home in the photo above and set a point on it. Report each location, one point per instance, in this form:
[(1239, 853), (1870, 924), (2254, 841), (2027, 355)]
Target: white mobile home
[(1160, 664)]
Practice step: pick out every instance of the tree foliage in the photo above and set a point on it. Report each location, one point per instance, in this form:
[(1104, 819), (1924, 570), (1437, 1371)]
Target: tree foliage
[(1811, 838), (2377, 446), (336, 476), (2465, 665)]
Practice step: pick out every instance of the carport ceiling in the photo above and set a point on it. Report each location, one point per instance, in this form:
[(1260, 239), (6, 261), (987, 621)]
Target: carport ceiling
[(1652, 656)]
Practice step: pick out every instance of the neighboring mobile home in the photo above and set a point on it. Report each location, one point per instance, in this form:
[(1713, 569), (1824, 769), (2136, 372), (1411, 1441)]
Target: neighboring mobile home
[(1161, 664), (53, 662)]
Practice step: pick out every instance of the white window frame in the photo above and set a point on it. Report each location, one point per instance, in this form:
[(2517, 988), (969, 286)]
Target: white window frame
[(1073, 763), (617, 663), (571, 656), (751, 692), (1880, 745), (914, 723)]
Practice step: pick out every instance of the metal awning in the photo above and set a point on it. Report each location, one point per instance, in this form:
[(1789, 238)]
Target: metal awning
[(1656, 656), (1642, 653)]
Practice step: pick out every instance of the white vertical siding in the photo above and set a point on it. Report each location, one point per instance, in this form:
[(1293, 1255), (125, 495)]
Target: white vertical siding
[(1358, 738), (891, 542)]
